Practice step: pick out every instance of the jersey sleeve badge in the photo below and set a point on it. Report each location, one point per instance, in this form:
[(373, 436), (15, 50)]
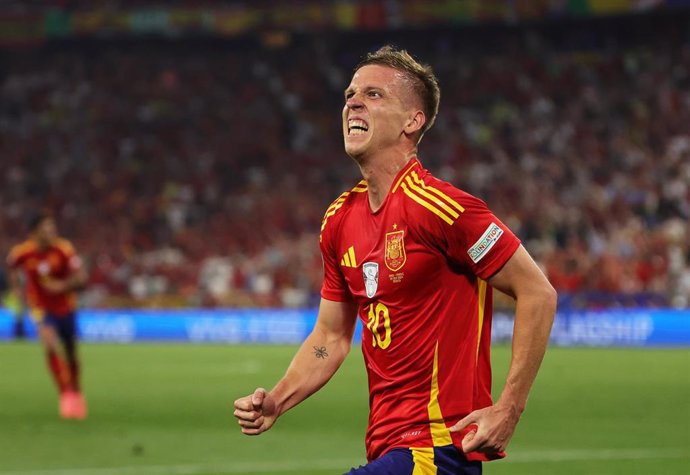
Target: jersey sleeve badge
[(485, 243)]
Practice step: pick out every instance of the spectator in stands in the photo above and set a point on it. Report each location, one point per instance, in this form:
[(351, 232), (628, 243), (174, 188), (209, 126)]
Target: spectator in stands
[(154, 151)]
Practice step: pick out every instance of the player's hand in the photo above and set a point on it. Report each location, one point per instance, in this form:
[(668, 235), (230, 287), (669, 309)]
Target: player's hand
[(256, 413), (494, 427)]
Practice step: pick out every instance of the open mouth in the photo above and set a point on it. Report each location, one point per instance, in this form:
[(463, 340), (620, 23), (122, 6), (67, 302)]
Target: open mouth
[(356, 127)]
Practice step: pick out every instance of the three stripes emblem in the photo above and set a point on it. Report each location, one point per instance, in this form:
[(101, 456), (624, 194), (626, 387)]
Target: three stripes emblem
[(349, 259)]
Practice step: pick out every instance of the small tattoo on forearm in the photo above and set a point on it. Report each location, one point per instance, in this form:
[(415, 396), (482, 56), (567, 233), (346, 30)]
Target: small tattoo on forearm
[(321, 352)]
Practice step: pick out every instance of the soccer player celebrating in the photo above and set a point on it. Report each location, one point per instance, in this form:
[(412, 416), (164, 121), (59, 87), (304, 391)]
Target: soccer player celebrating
[(53, 272), (416, 260)]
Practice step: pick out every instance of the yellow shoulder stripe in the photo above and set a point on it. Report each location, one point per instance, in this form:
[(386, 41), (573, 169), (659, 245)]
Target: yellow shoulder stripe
[(438, 192), (361, 187), (339, 200), (21, 249), (431, 198), (402, 177), (337, 204), (422, 190), (428, 206), (65, 246)]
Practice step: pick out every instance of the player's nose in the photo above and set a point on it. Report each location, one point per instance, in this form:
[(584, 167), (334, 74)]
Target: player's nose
[(354, 102)]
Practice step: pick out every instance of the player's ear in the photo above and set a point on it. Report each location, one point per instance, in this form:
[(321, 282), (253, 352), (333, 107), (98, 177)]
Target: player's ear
[(415, 122)]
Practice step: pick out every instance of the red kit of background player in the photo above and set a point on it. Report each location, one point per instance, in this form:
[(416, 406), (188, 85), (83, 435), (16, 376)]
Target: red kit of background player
[(52, 274)]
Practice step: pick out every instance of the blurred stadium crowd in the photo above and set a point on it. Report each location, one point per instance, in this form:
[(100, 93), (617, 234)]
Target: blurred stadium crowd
[(196, 171)]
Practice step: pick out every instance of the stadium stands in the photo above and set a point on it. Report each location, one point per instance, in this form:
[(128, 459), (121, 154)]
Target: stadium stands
[(195, 172)]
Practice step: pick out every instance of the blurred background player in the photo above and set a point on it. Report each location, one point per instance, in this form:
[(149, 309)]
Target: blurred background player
[(52, 274)]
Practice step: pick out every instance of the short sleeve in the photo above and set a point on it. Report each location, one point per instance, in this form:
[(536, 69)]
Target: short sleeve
[(478, 240), (14, 258), (74, 262), (334, 286)]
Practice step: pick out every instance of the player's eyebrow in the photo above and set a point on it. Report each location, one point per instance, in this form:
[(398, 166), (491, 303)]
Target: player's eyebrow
[(365, 89)]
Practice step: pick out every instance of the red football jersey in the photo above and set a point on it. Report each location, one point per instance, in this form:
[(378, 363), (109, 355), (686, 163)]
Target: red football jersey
[(57, 261), (417, 267)]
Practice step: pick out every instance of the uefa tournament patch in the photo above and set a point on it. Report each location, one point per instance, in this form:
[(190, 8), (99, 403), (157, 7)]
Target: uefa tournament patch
[(485, 243)]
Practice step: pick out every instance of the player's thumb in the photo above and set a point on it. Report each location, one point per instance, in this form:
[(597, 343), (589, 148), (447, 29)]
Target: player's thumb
[(258, 398), (468, 442)]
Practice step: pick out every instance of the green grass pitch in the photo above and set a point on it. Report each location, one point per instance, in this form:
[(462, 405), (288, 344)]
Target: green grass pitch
[(166, 410)]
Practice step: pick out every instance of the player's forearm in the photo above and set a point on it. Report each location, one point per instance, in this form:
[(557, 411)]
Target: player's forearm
[(73, 283), (534, 316), (76, 281), (316, 361)]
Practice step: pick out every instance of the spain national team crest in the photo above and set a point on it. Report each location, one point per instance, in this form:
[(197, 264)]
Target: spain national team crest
[(371, 277), (395, 250)]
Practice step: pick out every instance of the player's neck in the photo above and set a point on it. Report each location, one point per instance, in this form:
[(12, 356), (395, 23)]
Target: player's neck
[(42, 244), (379, 172)]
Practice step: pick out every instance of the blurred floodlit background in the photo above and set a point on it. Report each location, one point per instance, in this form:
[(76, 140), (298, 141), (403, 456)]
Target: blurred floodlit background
[(190, 148)]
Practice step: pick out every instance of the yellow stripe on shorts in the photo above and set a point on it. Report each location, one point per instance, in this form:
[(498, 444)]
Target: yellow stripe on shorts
[(423, 458)]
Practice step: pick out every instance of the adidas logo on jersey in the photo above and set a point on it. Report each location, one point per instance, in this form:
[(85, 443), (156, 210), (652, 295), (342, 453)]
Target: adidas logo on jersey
[(349, 259)]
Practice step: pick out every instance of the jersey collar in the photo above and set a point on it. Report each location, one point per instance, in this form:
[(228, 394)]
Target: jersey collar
[(413, 164)]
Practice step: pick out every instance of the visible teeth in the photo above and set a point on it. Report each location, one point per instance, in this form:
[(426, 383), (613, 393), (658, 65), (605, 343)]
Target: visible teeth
[(357, 126)]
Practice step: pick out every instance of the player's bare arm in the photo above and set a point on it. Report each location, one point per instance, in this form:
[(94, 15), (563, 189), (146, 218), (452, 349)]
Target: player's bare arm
[(535, 299), (314, 364)]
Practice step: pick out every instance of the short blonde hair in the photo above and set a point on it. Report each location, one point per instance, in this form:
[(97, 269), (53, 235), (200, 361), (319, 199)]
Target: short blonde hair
[(421, 76)]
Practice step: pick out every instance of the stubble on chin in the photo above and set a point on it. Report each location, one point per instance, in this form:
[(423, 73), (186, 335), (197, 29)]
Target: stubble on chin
[(355, 153)]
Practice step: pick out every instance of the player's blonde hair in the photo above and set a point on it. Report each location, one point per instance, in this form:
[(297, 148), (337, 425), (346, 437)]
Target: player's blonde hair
[(421, 77)]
